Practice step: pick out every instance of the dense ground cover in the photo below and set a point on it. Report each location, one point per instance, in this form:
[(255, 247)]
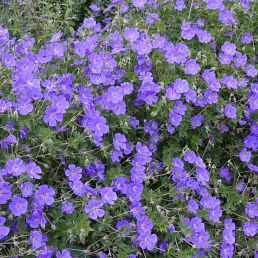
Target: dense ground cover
[(134, 134)]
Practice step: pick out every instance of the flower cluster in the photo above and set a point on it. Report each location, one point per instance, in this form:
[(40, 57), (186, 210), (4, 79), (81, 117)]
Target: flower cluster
[(134, 136)]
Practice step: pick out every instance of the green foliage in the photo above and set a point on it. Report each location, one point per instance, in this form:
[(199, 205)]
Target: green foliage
[(42, 18)]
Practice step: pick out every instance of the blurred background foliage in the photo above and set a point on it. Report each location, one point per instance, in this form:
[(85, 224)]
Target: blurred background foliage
[(42, 18)]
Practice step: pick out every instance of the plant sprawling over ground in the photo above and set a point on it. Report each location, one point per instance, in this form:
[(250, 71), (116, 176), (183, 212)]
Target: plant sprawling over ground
[(136, 135)]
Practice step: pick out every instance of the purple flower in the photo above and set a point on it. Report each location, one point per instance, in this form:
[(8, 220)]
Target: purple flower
[(241, 186), (200, 22), (177, 163), (245, 155), (251, 71), (196, 121), (253, 101), (171, 228), (96, 169), (239, 59), (181, 86), (15, 167), (172, 94), (230, 33), (177, 54), (251, 210), (210, 96), (202, 175), (116, 155), (179, 5), (192, 67), (159, 42), (63, 254), (225, 59), (214, 46), (224, 173), (204, 36), (201, 239), (253, 167), (175, 119), (23, 132), (94, 209), (99, 126), (151, 18), (58, 49), (73, 173), (114, 94), (37, 239), (18, 206), (196, 224), (131, 34), (5, 192), (127, 88), (36, 219), (33, 170), (10, 126), (142, 47), (139, 3), (229, 48), (136, 209), (80, 48), (163, 246), (247, 38), (250, 141), (24, 105), (230, 111), (44, 56), (209, 202), (148, 241), (45, 195), (120, 184), (133, 121), (215, 213), (193, 205), (8, 60), (250, 228), (60, 103), (119, 141), (78, 187), (214, 4), (102, 255), (199, 162), (4, 231), (45, 252), (4, 35), (89, 22), (190, 157), (124, 226), (134, 191), (144, 225), (27, 189), (208, 75), (254, 127), (180, 108), (227, 250), (229, 225), (187, 32), (226, 17), (67, 207), (8, 141), (52, 116), (108, 195)]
